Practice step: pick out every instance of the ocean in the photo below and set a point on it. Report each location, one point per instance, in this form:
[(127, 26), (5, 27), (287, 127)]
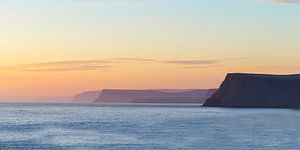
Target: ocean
[(146, 127)]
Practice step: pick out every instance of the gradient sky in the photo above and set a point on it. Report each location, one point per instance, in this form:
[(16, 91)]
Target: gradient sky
[(61, 47)]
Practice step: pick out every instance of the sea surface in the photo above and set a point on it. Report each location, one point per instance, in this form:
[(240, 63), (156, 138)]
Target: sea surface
[(146, 127)]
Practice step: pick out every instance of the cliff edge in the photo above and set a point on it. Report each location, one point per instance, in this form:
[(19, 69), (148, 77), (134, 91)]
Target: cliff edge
[(257, 90)]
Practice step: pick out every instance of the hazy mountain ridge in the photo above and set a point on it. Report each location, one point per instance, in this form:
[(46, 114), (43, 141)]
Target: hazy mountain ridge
[(154, 96), (86, 97)]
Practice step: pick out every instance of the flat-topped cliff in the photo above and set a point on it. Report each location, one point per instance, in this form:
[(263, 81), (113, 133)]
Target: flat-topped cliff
[(154, 96), (257, 90)]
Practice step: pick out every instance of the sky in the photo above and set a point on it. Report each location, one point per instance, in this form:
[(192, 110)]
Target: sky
[(61, 47)]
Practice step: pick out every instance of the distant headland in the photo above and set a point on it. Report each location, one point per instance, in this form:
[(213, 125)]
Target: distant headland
[(145, 96)]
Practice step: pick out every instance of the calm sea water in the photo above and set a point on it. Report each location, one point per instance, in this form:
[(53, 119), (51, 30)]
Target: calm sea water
[(145, 127)]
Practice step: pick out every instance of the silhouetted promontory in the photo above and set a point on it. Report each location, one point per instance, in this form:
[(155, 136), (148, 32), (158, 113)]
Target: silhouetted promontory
[(257, 90), (154, 96)]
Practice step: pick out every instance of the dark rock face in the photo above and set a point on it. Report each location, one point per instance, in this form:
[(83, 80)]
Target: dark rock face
[(86, 97), (154, 96), (257, 90)]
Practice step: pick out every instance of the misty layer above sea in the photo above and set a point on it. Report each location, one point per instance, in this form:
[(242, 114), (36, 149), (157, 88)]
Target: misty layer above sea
[(146, 126)]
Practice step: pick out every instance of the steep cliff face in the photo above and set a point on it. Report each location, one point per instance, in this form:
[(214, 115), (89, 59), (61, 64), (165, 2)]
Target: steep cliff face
[(154, 96), (257, 90), (86, 97)]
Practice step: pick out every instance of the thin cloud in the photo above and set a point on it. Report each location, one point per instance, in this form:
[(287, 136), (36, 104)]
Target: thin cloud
[(73, 68), (203, 66), (87, 65), (134, 59), (72, 62), (96, 65), (288, 2), (197, 63), (193, 62)]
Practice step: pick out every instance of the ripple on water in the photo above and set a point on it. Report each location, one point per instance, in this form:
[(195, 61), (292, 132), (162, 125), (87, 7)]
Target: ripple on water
[(142, 127)]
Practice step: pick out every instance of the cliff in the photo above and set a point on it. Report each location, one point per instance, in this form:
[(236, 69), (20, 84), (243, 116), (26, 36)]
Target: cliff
[(154, 96), (86, 97), (257, 90)]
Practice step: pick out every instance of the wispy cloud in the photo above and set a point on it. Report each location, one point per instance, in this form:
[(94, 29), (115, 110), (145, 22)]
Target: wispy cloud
[(134, 59), (78, 62), (288, 2), (193, 62), (96, 65), (87, 65), (200, 63)]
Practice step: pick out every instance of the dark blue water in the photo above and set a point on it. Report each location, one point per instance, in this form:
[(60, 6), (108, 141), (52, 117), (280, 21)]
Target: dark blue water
[(145, 127)]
